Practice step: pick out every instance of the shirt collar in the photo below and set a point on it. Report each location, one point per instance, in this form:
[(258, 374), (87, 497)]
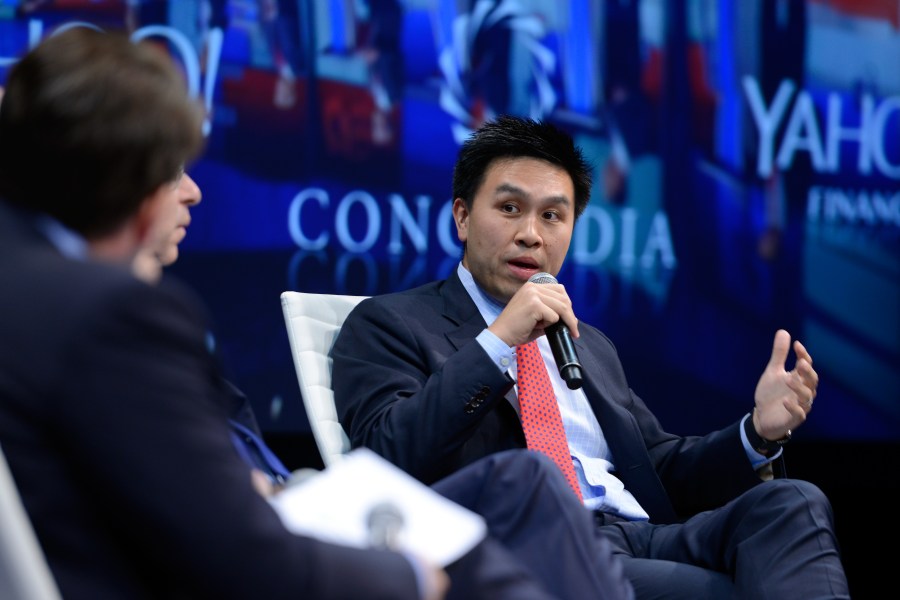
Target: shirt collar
[(489, 308), (69, 243)]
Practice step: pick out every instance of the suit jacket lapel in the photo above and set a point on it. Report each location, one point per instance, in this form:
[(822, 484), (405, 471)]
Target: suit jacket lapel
[(633, 465), (460, 310)]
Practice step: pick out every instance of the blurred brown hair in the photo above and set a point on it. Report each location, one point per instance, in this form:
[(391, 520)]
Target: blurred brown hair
[(91, 124)]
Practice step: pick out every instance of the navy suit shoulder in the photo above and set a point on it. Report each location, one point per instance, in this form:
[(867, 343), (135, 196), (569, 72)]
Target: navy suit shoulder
[(409, 358), (113, 421)]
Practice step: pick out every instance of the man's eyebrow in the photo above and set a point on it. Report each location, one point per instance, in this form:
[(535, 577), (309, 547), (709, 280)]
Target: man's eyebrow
[(508, 188)]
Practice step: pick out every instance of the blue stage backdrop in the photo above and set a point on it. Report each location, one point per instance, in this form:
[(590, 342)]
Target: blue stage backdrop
[(746, 165)]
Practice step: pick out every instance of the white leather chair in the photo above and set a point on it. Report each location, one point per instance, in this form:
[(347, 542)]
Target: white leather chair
[(313, 322), (24, 574)]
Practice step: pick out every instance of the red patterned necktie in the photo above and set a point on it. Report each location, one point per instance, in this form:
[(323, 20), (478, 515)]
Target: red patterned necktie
[(539, 412)]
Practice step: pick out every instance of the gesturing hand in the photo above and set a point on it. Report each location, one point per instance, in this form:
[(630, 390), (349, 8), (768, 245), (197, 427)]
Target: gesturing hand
[(784, 398)]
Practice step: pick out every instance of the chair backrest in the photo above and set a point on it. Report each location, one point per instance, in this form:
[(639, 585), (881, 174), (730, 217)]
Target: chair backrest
[(24, 574), (313, 322)]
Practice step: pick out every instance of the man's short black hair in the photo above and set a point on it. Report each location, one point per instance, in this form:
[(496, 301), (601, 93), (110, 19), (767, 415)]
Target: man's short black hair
[(516, 137)]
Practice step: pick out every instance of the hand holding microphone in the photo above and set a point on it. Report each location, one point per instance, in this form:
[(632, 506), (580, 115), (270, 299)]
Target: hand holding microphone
[(561, 343), (385, 522), (528, 310)]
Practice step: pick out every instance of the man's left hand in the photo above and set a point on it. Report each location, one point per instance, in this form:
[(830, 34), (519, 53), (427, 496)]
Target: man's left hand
[(784, 398)]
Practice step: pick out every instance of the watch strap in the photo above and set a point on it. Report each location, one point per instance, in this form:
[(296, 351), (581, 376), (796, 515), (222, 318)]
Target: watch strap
[(759, 443)]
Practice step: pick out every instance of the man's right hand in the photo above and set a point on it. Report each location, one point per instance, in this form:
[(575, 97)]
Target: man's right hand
[(434, 580), (533, 308)]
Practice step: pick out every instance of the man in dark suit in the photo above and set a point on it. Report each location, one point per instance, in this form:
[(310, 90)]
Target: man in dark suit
[(427, 378), (113, 414)]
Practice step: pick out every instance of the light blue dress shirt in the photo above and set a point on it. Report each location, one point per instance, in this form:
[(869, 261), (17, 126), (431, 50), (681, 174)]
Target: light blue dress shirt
[(70, 244)]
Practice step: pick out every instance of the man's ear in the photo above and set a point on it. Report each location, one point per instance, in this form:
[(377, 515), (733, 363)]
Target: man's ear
[(461, 218)]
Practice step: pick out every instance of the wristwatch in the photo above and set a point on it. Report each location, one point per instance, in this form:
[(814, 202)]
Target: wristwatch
[(759, 443)]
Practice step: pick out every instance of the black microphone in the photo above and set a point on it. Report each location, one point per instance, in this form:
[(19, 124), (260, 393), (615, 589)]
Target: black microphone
[(385, 522), (561, 344)]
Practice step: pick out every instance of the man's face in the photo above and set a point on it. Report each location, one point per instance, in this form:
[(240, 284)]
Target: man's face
[(521, 223), (173, 218)]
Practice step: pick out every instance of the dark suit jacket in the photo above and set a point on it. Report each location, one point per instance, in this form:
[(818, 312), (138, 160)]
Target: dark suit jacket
[(412, 384), (113, 419)]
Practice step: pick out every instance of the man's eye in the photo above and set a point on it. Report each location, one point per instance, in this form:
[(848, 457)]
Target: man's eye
[(509, 208), (551, 216)]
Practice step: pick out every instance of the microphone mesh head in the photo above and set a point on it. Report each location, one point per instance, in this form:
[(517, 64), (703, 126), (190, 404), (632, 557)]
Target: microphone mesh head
[(542, 278)]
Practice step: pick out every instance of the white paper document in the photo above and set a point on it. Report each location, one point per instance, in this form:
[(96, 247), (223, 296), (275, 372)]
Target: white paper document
[(336, 504)]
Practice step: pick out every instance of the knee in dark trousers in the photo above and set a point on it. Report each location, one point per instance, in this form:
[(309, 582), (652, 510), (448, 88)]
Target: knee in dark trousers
[(529, 507)]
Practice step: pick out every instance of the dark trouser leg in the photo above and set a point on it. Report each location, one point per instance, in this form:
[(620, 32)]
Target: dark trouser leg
[(667, 580), (491, 572), (775, 541), (530, 509)]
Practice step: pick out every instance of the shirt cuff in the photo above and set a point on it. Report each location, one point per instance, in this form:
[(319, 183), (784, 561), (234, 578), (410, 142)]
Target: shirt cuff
[(500, 354), (756, 459), (419, 570)]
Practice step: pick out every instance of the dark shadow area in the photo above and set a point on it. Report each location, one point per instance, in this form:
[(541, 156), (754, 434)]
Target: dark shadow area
[(860, 479)]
